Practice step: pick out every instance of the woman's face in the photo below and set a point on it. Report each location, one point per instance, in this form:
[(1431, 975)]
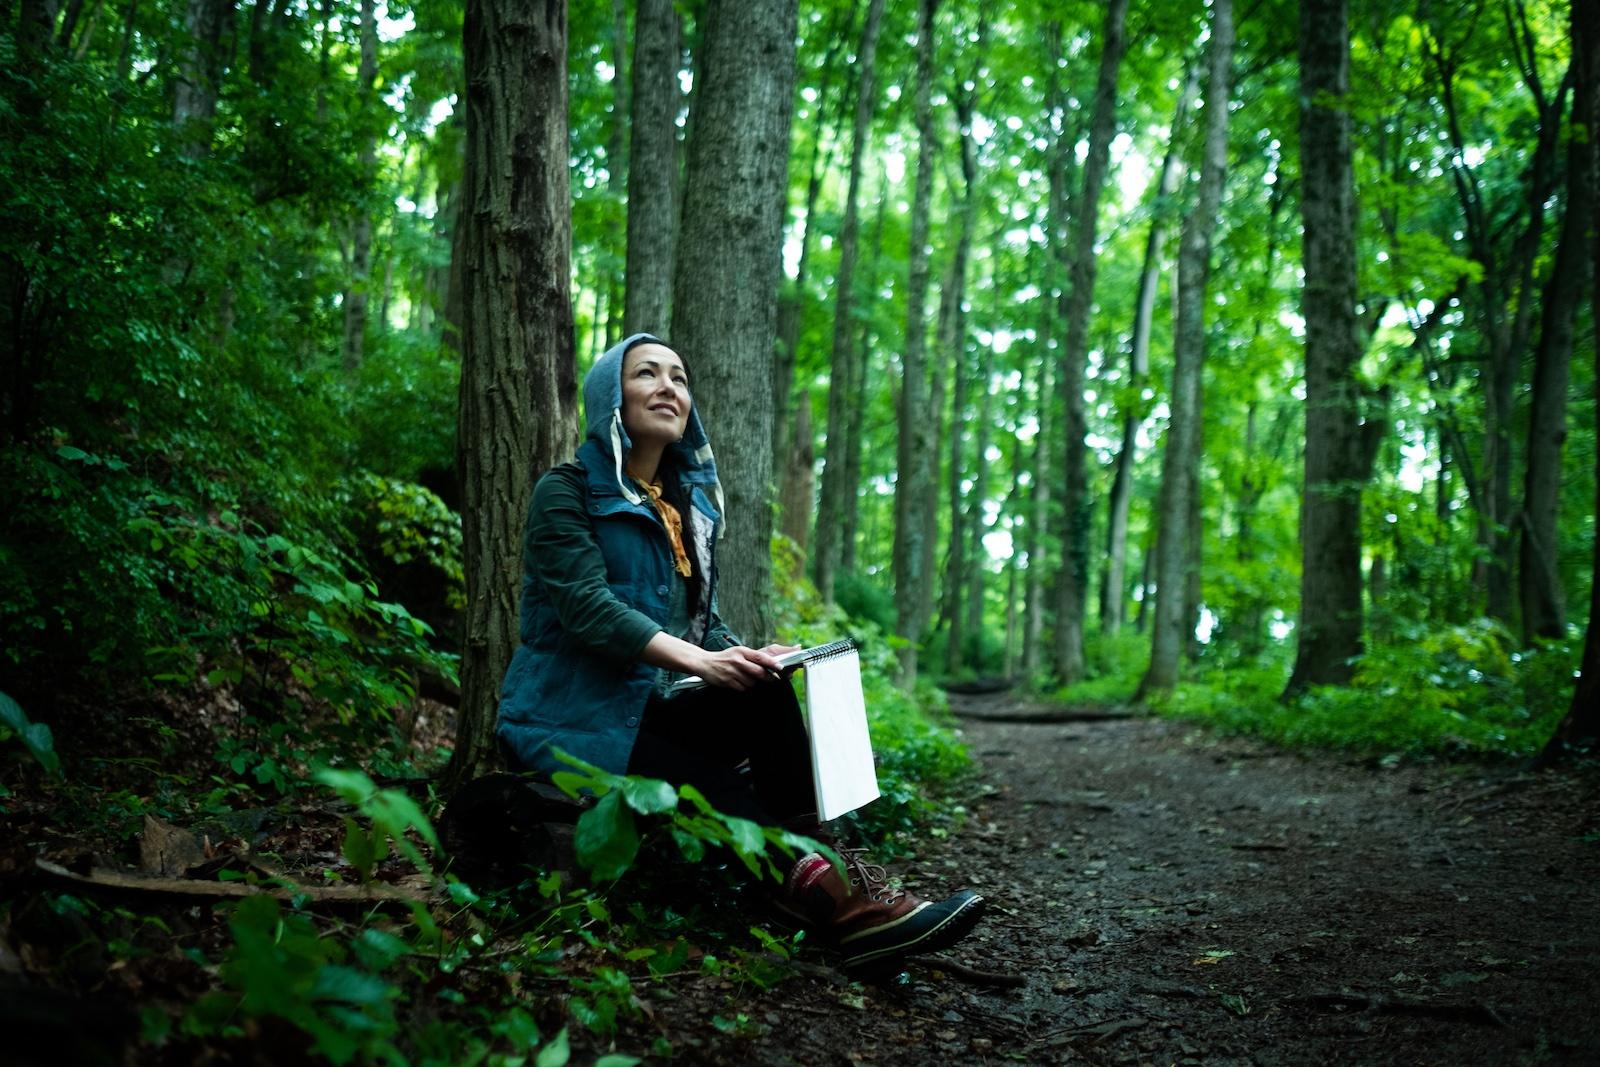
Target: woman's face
[(655, 394)]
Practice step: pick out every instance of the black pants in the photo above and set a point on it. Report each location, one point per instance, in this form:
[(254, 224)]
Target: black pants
[(705, 737)]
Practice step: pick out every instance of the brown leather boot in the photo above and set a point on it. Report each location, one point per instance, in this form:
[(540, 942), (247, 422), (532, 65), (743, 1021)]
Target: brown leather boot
[(873, 922)]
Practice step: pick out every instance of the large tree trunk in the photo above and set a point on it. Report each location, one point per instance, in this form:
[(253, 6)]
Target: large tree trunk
[(1075, 304), (847, 363), (1113, 584), (357, 296), (730, 259), (1581, 727), (915, 461), (1177, 529), (1543, 604), (1330, 631), (653, 173), (518, 410)]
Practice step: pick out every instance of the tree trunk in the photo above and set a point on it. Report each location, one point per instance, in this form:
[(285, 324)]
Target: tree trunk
[(200, 66), (1330, 636), (653, 175), (1113, 585), (846, 365), (357, 296), (1177, 530), (1581, 727), (730, 259), (850, 520), (518, 410), (1543, 603), (1038, 518), (915, 462), (973, 622), (1074, 307)]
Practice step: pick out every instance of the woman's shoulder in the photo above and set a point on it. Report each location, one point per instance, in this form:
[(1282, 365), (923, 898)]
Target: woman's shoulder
[(564, 480)]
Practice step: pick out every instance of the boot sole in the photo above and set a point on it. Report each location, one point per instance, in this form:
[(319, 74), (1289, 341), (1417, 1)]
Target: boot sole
[(943, 933)]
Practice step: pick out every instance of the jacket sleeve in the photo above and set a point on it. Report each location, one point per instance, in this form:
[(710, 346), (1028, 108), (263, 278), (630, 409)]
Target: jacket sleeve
[(562, 555)]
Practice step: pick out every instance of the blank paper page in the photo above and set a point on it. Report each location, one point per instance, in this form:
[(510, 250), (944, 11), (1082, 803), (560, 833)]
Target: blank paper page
[(841, 751)]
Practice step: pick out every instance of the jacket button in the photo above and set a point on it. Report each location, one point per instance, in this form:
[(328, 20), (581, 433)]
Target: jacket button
[(632, 721), (661, 589)]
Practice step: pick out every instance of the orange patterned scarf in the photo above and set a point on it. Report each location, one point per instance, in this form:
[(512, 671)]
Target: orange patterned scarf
[(673, 522)]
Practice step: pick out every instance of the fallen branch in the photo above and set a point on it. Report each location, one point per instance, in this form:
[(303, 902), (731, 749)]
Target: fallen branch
[(973, 975), (104, 879)]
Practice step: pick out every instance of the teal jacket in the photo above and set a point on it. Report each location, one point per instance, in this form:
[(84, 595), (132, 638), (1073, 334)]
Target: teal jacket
[(598, 583)]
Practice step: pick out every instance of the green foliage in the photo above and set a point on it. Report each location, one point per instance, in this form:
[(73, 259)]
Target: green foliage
[(1453, 691), (391, 814), (607, 837), (35, 736)]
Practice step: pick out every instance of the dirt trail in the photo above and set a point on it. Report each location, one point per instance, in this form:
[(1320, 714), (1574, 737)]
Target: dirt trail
[(1175, 897)]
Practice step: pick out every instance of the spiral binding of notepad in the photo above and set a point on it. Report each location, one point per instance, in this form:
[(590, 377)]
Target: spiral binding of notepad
[(793, 659)]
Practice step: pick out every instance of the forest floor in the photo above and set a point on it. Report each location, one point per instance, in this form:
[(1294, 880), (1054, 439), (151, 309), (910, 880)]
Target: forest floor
[(1157, 893), (1168, 895)]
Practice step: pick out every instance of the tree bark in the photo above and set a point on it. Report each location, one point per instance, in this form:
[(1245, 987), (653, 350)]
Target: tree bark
[(518, 404), (1177, 529), (1543, 603), (1330, 629), (1074, 307), (850, 521), (357, 296), (846, 365), (1581, 727), (653, 173), (1113, 585), (200, 67), (915, 462), (730, 259)]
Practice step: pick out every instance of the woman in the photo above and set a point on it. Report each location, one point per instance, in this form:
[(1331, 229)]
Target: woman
[(619, 601)]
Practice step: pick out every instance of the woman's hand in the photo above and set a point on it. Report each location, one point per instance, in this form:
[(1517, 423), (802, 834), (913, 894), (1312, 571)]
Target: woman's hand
[(740, 667)]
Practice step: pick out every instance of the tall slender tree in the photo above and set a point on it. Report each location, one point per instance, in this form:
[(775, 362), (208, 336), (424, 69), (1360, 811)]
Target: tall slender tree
[(1330, 625), (915, 490), (518, 403), (730, 258), (653, 173), (1075, 303), (1178, 528), (357, 295), (846, 364), (1113, 583)]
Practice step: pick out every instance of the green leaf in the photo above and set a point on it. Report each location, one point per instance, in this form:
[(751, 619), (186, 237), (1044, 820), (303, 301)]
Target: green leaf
[(351, 986), (35, 735), (649, 796), (556, 1053), (68, 452), (606, 839)]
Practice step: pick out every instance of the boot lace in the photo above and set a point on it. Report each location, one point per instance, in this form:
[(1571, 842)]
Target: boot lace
[(870, 878)]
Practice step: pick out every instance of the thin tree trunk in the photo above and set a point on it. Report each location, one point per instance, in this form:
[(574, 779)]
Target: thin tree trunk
[(1330, 630), (1581, 727), (1074, 307), (653, 176), (851, 518), (356, 297), (518, 410), (1543, 603), (1113, 584), (730, 260), (915, 462), (1177, 529), (1038, 519), (846, 365), (973, 622)]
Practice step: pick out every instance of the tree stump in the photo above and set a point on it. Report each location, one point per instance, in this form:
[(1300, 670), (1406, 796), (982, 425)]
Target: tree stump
[(496, 827)]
